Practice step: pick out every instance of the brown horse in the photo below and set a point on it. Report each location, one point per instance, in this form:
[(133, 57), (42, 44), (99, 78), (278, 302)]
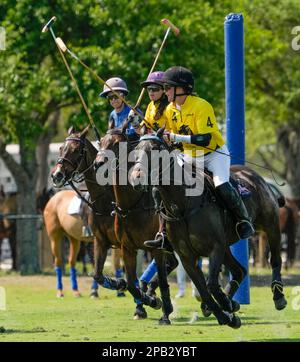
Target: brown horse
[(289, 222), (77, 156), (200, 226)]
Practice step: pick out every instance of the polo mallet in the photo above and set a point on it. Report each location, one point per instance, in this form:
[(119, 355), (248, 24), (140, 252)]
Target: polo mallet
[(62, 46), (47, 27), (176, 31)]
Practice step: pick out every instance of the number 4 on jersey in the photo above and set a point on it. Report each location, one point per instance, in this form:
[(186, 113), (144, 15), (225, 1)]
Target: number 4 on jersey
[(209, 123)]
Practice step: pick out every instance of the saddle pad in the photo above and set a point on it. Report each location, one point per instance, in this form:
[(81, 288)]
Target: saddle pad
[(74, 206)]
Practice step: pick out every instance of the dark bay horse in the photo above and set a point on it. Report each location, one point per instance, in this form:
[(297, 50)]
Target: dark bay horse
[(77, 156), (136, 219), (200, 226)]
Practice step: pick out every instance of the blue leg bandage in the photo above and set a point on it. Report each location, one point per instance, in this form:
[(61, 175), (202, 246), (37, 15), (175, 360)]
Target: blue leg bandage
[(58, 272), (119, 273), (149, 272), (73, 277), (95, 285)]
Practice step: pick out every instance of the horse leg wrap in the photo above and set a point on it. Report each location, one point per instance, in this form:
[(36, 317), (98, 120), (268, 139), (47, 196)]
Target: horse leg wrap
[(119, 273), (58, 272), (277, 289), (167, 306), (150, 301), (276, 274), (231, 288), (221, 297), (152, 287), (149, 272), (73, 277), (94, 285), (114, 284)]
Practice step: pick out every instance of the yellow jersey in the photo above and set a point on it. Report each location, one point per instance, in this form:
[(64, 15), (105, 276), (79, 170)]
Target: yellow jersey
[(150, 114), (194, 116)]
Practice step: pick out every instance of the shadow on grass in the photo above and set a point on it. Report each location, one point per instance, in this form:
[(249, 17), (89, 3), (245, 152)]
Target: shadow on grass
[(12, 331)]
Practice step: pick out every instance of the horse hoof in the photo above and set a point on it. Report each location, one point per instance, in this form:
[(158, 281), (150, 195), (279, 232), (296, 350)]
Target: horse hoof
[(76, 294), (121, 294), (94, 295), (59, 294), (235, 322), (158, 303), (280, 303), (235, 306), (205, 311), (164, 321), (140, 313)]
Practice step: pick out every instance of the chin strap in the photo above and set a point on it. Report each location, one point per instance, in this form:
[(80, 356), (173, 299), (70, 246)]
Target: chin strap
[(179, 94)]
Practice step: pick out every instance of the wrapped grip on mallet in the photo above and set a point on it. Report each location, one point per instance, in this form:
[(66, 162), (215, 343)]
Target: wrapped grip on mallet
[(174, 28), (61, 44)]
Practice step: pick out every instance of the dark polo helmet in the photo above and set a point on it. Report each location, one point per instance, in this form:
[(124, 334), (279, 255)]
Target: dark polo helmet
[(179, 77)]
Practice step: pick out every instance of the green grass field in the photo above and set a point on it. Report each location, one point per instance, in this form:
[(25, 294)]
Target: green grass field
[(33, 313)]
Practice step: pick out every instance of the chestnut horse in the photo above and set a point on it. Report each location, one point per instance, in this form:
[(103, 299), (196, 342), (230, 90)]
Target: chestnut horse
[(77, 156), (199, 226), (59, 223)]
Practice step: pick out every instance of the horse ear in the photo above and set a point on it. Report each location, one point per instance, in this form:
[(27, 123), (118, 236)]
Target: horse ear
[(71, 130), (85, 132), (160, 132)]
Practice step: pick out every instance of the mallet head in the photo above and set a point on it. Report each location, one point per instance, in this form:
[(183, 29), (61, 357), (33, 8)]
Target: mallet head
[(174, 28), (49, 24)]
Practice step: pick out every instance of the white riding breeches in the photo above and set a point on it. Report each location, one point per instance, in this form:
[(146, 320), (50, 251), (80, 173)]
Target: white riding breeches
[(218, 163)]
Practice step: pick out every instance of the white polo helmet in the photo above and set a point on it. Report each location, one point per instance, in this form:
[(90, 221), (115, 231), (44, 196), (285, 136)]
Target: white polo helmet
[(117, 84)]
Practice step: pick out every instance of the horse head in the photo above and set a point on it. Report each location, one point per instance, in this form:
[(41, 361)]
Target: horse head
[(146, 170), (72, 159), (110, 144)]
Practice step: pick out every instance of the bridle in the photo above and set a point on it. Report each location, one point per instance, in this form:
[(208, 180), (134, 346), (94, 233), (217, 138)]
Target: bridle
[(162, 146), (75, 175)]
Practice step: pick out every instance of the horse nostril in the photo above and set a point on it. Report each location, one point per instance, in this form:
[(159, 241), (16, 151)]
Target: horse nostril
[(57, 176)]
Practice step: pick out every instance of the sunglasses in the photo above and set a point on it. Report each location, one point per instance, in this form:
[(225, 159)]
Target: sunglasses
[(153, 89), (112, 97)]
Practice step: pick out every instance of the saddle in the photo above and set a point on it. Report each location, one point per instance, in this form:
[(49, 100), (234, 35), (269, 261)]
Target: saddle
[(237, 183)]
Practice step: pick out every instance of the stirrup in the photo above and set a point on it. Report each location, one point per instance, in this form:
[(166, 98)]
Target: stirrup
[(159, 239), (165, 244), (247, 233)]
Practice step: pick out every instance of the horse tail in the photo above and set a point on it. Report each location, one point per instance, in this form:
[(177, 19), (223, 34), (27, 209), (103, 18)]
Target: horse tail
[(278, 195)]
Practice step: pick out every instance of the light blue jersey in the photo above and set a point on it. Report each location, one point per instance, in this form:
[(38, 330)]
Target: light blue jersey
[(120, 117)]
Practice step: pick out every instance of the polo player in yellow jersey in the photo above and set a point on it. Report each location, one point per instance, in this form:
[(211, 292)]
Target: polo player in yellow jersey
[(191, 120)]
